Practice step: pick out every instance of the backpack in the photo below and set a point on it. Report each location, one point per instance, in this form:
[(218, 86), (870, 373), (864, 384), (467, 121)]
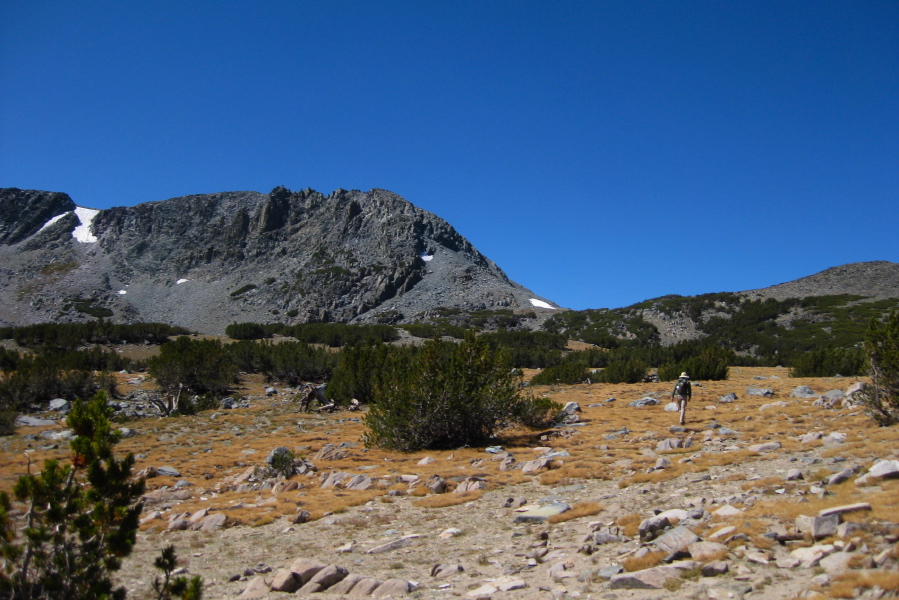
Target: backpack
[(683, 387)]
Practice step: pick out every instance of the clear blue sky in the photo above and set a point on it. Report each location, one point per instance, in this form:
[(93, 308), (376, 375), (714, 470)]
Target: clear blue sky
[(601, 153)]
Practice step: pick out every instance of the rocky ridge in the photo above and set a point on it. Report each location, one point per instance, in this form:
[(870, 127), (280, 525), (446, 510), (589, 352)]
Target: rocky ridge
[(207, 260)]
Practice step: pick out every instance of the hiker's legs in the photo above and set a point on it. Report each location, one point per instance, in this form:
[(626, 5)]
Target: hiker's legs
[(682, 408)]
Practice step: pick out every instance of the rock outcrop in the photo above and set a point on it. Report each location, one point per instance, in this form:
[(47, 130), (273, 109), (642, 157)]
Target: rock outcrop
[(208, 260)]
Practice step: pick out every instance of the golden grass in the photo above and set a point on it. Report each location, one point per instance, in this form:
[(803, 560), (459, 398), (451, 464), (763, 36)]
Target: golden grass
[(846, 584), (629, 524), (581, 509), (648, 560), (444, 500)]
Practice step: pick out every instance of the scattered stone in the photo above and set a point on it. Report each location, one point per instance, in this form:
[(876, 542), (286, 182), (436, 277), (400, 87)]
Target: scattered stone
[(882, 469), (714, 569), (610, 571), (839, 477), (647, 579), (402, 542), (542, 513), (212, 522), (285, 581), (650, 528), (803, 391), (444, 571), (676, 540), (471, 484), (167, 472), (763, 392), (811, 556), (705, 551), (794, 475), (29, 421), (532, 466), (346, 585), (722, 533), (728, 511), (765, 447), (846, 508), (393, 587), (485, 592), (323, 579), (836, 563), (647, 401), (331, 452), (811, 436), (279, 451), (257, 588), (671, 407), (301, 517), (728, 398), (306, 568)]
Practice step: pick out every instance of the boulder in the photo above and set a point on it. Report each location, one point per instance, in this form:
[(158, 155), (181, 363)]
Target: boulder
[(323, 579), (765, 447), (393, 587), (285, 581), (542, 513), (365, 586), (803, 391), (471, 484), (346, 585), (647, 579), (757, 391), (646, 401), (728, 398), (882, 469), (676, 540), (306, 568)]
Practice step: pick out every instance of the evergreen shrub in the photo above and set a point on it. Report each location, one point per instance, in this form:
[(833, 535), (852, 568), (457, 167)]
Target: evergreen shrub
[(447, 396)]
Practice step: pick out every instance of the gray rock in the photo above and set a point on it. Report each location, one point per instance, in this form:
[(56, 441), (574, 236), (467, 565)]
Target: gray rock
[(280, 450), (765, 447), (763, 392), (647, 579), (609, 571), (714, 569), (166, 471), (60, 405), (542, 513), (671, 407), (29, 421), (676, 540), (803, 391), (646, 401), (728, 398), (392, 587)]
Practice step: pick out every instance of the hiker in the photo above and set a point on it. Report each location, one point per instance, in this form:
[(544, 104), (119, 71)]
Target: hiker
[(684, 391)]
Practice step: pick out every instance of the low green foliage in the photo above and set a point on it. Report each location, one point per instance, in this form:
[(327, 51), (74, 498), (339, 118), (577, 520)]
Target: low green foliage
[(197, 366), (828, 362), (881, 398), (75, 522), (179, 587), (357, 370), (243, 290), (449, 395), (567, 372)]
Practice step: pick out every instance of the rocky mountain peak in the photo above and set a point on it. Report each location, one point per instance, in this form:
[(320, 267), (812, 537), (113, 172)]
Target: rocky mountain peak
[(204, 261)]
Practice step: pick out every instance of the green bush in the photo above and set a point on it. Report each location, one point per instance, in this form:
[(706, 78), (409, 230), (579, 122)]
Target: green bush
[(357, 370), (198, 366), (73, 524), (624, 370), (567, 372), (881, 398), (449, 395), (538, 413), (828, 362), (710, 365)]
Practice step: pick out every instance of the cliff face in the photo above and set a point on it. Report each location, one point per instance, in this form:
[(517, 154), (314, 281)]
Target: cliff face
[(209, 260)]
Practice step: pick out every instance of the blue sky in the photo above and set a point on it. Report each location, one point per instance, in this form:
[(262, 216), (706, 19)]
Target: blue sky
[(601, 153)]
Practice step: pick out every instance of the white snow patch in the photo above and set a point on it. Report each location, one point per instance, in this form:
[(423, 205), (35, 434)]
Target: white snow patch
[(541, 304), (83, 233), (180, 281), (122, 292), (426, 257), (52, 221)]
